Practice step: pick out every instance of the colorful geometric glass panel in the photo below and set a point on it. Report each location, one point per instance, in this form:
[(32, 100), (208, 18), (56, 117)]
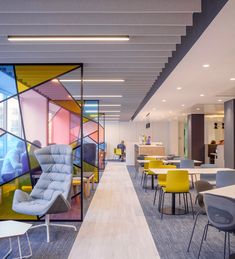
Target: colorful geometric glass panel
[(7, 82), (30, 119)]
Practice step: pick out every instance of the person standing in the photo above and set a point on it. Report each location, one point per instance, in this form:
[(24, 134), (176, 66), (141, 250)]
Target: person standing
[(123, 150)]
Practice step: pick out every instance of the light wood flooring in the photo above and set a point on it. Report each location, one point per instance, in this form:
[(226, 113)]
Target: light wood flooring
[(115, 226)]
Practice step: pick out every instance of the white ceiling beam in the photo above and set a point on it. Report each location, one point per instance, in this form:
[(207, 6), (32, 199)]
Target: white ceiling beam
[(165, 48), (92, 30), (82, 60), (102, 6), (116, 70), (108, 54), (167, 19), (118, 65)]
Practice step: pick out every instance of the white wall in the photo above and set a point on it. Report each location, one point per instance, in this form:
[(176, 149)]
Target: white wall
[(130, 132), (210, 132), (173, 137)]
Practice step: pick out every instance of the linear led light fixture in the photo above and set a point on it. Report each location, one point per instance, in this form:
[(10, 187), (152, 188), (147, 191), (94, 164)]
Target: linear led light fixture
[(93, 80), (21, 38), (98, 96), (95, 111), (102, 105), (109, 111), (112, 115)]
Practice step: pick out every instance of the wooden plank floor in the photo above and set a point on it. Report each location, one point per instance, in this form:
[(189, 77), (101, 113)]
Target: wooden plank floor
[(114, 226)]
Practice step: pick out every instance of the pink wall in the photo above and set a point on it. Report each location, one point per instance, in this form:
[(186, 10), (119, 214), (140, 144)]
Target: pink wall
[(59, 127)]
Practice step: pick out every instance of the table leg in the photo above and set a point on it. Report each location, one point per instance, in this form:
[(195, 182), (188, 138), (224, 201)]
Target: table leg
[(18, 240), (173, 203), (88, 187), (93, 182), (152, 181)]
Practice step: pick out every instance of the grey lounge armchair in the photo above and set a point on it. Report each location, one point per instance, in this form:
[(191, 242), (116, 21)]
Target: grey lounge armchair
[(51, 194)]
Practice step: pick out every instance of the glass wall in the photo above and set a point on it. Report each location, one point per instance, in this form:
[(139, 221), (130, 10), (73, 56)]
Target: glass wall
[(35, 110)]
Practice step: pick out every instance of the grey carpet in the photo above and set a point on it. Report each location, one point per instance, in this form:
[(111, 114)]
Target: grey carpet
[(62, 240), (172, 233)]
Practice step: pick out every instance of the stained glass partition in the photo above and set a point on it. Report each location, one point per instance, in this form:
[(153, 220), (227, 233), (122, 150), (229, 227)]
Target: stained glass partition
[(102, 145), (36, 110), (91, 137)]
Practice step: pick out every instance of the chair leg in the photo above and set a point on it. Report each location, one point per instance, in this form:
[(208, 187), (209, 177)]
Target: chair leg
[(191, 201), (229, 243), (186, 197), (142, 177), (47, 224), (192, 181), (194, 225), (160, 200), (179, 199), (162, 203), (202, 241), (185, 209), (146, 182), (155, 195), (206, 231), (47, 221)]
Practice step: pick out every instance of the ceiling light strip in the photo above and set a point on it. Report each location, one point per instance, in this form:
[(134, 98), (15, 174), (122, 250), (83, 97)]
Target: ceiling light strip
[(93, 80), (41, 38), (102, 105), (98, 96)]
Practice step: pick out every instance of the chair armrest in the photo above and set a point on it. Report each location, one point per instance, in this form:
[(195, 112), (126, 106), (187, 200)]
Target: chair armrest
[(20, 196)]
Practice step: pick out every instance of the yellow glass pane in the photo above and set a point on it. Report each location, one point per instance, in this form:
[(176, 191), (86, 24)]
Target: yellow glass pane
[(69, 105), (29, 75)]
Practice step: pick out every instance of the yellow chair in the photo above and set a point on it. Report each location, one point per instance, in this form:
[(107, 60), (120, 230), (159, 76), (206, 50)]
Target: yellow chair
[(146, 167), (161, 181), (177, 182), (152, 164), (117, 152)]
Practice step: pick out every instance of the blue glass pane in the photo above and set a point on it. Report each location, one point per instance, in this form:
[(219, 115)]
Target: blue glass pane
[(7, 82), (12, 151)]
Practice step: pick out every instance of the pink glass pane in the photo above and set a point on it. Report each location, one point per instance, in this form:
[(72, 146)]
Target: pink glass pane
[(59, 132)]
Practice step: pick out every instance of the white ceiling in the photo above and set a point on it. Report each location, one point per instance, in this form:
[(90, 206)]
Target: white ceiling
[(154, 27), (215, 47)]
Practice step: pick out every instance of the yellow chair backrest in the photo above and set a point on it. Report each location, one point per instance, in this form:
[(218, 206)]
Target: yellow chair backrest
[(146, 165), (149, 158), (117, 151), (155, 164), (177, 181), (162, 177)]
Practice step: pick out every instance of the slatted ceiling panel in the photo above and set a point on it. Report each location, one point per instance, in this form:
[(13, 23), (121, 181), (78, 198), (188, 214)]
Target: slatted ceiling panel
[(178, 19), (154, 27), (102, 6)]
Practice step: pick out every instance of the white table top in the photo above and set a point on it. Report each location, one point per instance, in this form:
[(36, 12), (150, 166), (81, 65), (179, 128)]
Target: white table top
[(143, 161), (159, 157), (177, 161), (191, 171), (228, 191), (10, 228)]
